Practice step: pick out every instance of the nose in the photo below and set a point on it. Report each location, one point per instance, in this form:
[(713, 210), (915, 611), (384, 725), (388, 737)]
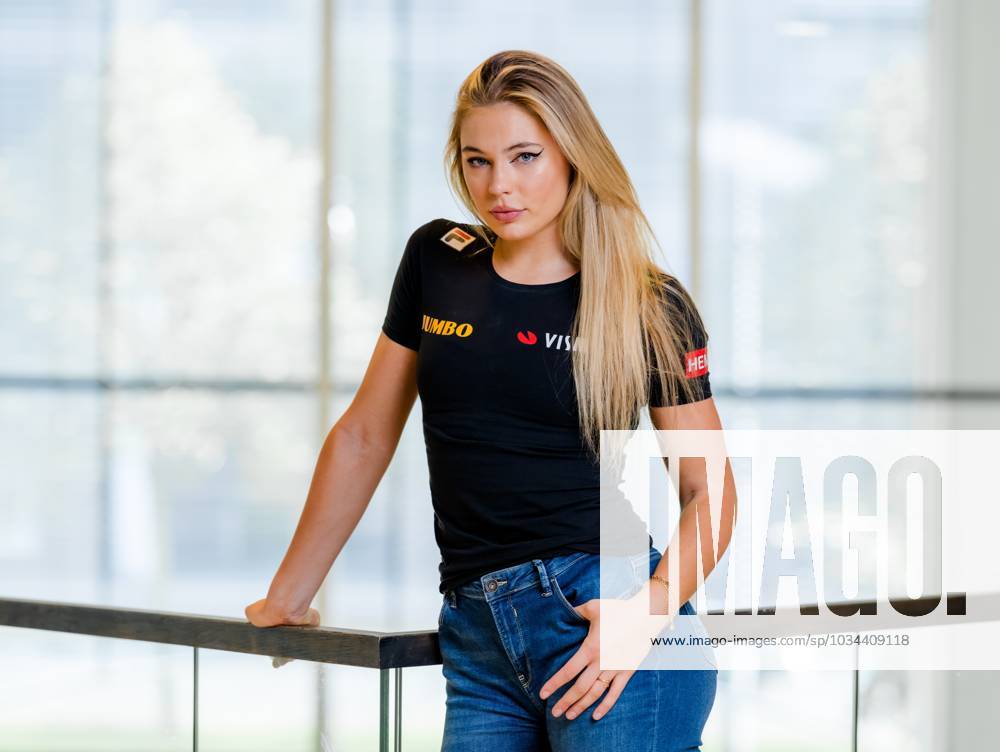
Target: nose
[(500, 179)]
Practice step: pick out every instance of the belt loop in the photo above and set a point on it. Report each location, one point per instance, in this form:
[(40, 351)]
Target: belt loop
[(543, 576)]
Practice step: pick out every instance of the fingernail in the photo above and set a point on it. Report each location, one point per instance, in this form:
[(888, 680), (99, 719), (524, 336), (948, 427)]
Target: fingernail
[(596, 716), (543, 694), (571, 716)]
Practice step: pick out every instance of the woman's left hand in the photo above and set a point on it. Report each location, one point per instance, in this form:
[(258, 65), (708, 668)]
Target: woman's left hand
[(586, 662)]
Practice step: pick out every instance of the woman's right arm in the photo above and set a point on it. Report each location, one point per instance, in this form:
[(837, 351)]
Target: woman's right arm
[(351, 463)]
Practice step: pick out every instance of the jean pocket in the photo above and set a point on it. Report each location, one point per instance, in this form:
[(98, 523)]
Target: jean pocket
[(565, 605), (580, 582), (445, 606)]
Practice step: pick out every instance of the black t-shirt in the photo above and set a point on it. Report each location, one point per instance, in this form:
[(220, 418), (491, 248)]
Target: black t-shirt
[(510, 477)]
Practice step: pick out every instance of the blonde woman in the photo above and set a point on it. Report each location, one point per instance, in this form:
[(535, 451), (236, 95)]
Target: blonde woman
[(524, 334)]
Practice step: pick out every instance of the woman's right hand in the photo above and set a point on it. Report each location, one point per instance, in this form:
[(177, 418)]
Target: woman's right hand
[(260, 614), (263, 614)]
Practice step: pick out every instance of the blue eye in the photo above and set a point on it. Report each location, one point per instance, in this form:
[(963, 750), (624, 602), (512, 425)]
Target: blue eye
[(533, 155)]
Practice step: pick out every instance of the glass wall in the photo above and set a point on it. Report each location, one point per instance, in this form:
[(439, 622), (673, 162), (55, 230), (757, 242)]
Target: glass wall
[(816, 170), (162, 167)]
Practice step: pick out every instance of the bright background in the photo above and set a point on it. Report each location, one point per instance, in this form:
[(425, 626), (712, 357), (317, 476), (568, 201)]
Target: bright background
[(166, 380)]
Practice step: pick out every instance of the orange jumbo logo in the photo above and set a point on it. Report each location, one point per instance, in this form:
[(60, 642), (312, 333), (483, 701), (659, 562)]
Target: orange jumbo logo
[(446, 328)]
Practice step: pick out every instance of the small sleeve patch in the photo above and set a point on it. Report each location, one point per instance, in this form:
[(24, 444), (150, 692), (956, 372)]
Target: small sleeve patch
[(696, 363), (457, 238)]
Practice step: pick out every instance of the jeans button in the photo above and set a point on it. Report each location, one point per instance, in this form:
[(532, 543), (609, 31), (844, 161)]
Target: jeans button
[(491, 585)]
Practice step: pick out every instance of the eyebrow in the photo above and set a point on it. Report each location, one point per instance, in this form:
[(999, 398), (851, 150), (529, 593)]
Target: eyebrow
[(509, 148)]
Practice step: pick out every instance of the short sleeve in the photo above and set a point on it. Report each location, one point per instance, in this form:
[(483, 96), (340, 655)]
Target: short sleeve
[(694, 363), (404, 312)]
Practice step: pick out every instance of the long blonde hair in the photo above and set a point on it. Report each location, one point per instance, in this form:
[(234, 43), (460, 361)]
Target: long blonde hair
[(625, 323)]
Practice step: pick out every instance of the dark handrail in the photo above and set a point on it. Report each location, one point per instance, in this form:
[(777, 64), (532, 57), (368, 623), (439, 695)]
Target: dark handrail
[(385, 650), (348, 647)]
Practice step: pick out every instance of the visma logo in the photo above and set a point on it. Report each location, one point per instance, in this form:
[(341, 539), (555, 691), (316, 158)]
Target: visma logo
[(552, 341), (446, 328)]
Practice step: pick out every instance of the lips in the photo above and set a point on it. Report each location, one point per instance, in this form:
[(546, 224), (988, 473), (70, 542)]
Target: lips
[(506, 215)]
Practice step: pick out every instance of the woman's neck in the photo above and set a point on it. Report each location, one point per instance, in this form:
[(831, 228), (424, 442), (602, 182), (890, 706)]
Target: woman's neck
[(533, 260)]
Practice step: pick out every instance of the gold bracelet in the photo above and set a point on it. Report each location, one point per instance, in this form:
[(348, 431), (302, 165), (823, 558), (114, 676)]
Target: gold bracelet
[(667, 586), (660, 579)]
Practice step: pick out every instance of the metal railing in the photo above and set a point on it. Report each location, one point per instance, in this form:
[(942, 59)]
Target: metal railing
[(389, 652)]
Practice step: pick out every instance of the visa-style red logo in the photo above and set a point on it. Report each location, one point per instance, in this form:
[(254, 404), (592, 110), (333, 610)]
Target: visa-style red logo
[(552, 341), (696, 363)]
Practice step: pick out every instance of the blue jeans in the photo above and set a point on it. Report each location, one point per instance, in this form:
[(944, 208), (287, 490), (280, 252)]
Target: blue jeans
[(504, 635)]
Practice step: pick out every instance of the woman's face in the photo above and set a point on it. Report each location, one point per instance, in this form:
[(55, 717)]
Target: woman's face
[(509, 159)]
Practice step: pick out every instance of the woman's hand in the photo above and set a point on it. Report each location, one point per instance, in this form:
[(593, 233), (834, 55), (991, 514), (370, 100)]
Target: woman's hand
[(262, 614), (593, 682)]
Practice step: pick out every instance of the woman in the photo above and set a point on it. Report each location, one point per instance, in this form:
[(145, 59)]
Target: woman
[(525, 334)]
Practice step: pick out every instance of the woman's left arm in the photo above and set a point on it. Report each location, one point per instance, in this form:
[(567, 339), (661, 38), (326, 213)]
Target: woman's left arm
[(696, 522)]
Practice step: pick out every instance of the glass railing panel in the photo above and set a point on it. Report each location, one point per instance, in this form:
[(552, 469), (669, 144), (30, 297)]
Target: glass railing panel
[(781, 711), (77, 693), (247, 704), (923, 710)]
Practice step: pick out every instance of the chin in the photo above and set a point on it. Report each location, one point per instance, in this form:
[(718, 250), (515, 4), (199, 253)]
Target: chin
[(511, 232)]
